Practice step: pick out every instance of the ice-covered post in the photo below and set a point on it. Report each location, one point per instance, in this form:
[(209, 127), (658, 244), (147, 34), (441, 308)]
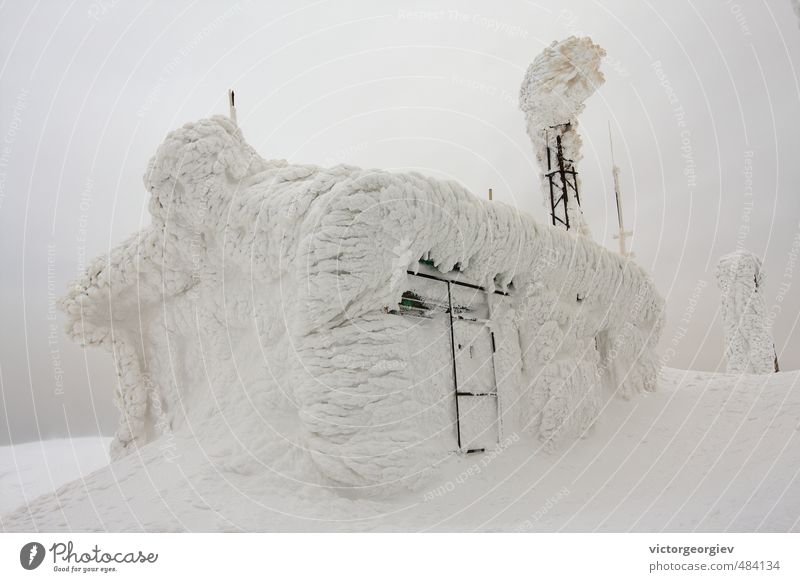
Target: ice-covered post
[(232, 105), (622, 234), (748, 341), (556, 85)]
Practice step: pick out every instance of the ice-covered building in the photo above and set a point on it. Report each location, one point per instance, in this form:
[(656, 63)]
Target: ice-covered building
[(272, 300), (378, 321)]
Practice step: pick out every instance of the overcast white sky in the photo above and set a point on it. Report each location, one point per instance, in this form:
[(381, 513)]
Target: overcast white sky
[(699, 95)]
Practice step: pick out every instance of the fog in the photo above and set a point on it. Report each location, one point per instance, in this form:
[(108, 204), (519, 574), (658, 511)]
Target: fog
[(702, 99)]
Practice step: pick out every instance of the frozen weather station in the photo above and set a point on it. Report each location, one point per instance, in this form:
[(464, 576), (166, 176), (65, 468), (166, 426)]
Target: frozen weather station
[(387, 320), (522, 268)]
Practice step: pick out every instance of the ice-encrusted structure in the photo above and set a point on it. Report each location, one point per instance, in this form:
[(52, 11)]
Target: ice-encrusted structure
[(749, 347), (258, 307), (556, 86)]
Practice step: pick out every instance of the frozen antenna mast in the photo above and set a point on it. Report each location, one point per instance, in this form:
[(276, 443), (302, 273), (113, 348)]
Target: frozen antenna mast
[(556, 85), (618, 194), (562, 178), (232, 105)]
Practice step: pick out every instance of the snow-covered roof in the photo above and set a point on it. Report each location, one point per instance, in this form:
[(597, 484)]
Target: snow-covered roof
[(216, 202)]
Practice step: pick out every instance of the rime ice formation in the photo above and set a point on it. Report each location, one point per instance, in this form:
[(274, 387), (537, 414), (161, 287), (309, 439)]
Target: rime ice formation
[(257, 308), (748, 342), (553, 93)]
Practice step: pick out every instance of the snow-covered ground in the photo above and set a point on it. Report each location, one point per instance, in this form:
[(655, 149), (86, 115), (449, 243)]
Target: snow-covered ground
[(706, 452), (32, 469)]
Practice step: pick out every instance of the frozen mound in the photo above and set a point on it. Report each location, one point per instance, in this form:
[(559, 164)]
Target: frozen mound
[(258, 317), (749, 347), (556, 86)]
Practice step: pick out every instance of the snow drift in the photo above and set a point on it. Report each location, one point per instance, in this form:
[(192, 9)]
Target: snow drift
[(705, 452)]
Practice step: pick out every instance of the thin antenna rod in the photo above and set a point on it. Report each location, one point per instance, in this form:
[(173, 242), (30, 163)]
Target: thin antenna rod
[(232, 105), (618, 195)]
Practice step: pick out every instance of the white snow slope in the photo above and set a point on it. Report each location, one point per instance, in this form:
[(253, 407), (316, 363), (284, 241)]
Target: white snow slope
[(32, 469), (705, 452)]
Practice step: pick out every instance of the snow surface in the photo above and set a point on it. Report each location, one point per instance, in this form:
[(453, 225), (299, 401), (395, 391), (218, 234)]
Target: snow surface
[(32, 469), (253, 312), (705, 452), (749, 347)]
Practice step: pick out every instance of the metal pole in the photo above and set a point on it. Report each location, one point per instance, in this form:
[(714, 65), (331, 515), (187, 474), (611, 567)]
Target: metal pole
[(563, 175), (232, 106), (490, 312), (618, 195), (455, 368)]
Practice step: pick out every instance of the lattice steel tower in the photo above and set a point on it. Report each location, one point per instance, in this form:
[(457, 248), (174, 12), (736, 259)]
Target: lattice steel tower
[(561, 175)]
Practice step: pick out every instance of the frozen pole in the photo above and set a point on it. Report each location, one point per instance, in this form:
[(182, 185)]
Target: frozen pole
[(490, 194), (232, 105), (622, 232), (552, 96), (749, 347)]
